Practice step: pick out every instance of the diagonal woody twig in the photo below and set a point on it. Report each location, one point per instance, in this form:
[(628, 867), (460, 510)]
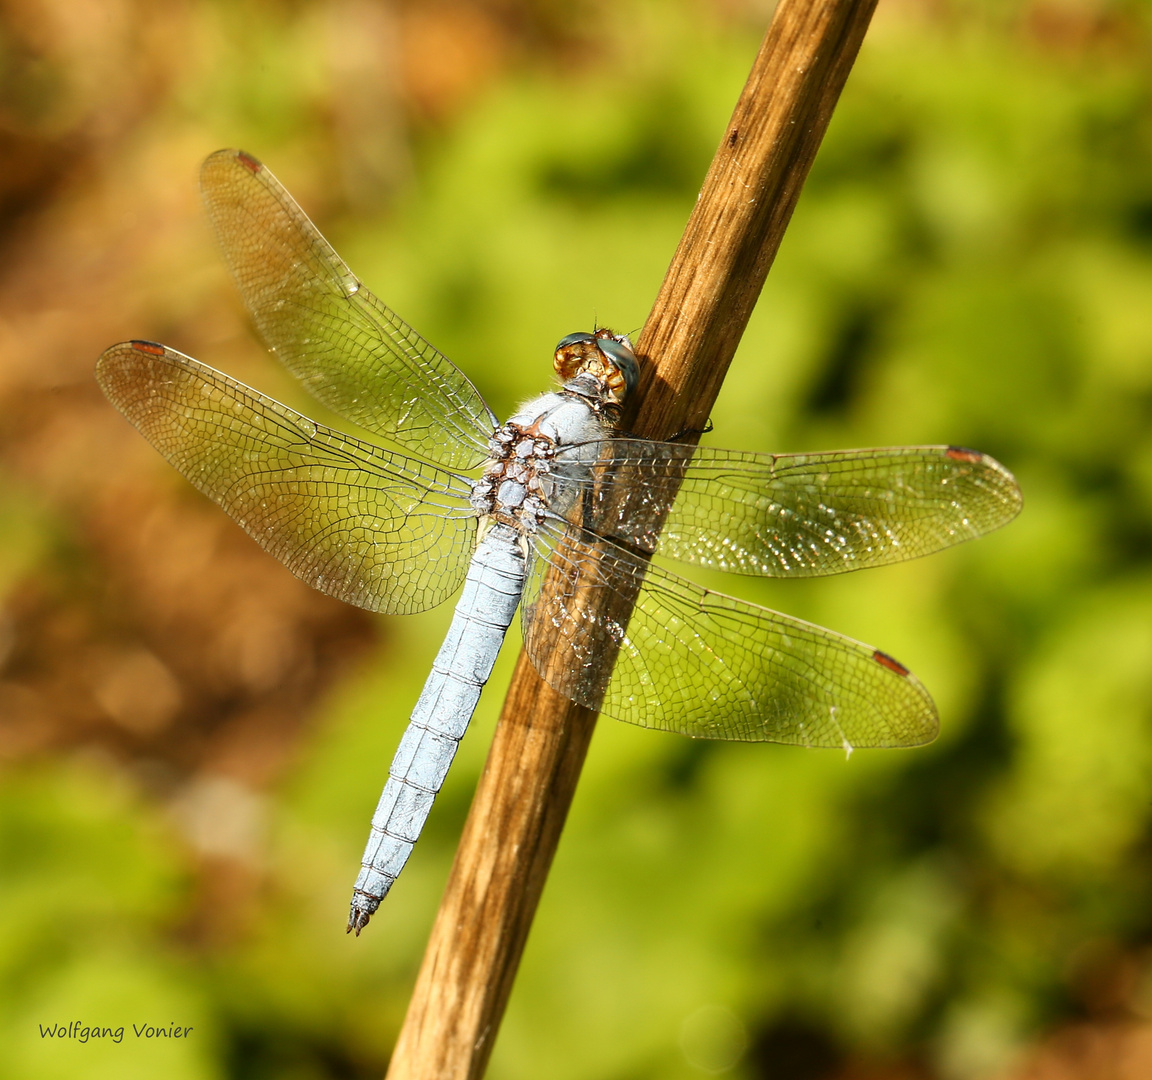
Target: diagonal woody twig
[(522, 800)]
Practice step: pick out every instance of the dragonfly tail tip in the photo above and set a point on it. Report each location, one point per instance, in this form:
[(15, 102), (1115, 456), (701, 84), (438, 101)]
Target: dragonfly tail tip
[(355, 926), (357, 920)]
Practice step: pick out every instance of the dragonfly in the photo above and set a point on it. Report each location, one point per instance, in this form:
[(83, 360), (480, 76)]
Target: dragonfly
[(557, 512)]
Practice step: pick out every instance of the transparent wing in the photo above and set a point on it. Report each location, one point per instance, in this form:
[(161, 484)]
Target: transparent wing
[(360, 523), (703, 664), (351, 352), (786, 515)]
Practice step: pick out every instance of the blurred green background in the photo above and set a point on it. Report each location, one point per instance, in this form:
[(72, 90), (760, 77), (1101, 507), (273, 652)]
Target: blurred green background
[(191, 742)]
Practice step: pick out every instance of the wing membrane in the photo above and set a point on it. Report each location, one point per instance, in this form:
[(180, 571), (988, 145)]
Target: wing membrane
[(707, 665), (352, 352), (358, 522), (788, 515)]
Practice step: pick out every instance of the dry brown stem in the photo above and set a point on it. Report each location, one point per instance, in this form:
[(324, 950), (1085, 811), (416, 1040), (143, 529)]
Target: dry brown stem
[(687, 343)]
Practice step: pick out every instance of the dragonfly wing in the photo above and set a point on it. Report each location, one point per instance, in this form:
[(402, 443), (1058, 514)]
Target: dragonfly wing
[(703, 664), (371, 527), (788, 515), (352, 352)]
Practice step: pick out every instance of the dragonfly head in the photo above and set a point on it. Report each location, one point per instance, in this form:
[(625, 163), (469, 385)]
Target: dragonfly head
[(606, 357)]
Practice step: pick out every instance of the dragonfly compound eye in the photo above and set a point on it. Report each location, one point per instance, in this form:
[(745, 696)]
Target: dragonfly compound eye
[(574, 353), (621, 356), (580, 336)]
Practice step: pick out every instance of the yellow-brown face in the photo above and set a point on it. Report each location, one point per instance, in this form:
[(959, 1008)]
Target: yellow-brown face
[(606, 356)]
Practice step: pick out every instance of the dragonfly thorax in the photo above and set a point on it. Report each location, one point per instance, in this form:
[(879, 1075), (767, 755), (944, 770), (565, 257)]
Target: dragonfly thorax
[(514, 487)]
